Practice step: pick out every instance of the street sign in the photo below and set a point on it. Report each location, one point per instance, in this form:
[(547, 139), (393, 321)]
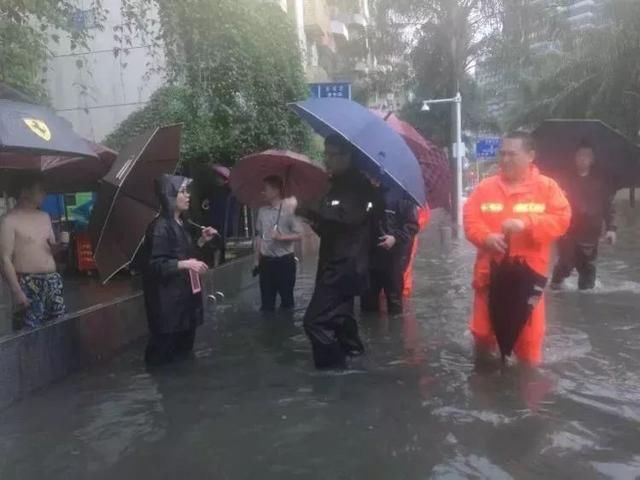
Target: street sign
[(487, 147), (330, 90)]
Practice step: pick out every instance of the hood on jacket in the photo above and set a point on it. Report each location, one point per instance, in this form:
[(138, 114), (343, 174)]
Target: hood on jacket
[(167, 188)]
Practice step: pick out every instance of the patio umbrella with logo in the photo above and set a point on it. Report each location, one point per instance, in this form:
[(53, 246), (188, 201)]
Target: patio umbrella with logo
[(302, 179), (37, 130), (127, 202)]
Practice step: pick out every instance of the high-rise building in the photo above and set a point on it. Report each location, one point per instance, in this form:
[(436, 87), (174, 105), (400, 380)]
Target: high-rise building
[(585, 13)]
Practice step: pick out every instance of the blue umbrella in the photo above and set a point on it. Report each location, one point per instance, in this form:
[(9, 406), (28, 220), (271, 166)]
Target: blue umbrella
[(381, 149)]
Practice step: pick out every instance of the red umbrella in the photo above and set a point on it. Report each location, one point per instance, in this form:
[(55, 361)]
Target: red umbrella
[(222, 171), (433, 161), (302, 179), (63, 173)]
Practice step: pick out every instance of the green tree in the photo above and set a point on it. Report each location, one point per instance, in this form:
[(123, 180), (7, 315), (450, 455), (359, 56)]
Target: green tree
[(27, 27), (235, 65), (442, 41), (598, 77)]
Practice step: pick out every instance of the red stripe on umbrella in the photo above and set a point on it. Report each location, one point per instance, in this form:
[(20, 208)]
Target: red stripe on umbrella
[(433, 161)]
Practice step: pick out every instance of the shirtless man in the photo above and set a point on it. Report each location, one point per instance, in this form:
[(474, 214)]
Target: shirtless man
[(27, 246)]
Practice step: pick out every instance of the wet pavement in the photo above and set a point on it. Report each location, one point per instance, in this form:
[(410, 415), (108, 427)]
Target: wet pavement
[(250, 406)]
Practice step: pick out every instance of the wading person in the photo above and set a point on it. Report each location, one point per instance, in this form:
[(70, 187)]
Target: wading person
[(395, 227), (170, 273), (277, 230), (343, 222), (591, 199), (518, 212), (27, 248)]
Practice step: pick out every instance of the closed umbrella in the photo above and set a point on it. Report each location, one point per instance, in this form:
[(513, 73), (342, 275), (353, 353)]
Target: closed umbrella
[(302, 179), (380, 148), (618, 158), (514, 290), (127, 202), (37, 130), (432, 159)]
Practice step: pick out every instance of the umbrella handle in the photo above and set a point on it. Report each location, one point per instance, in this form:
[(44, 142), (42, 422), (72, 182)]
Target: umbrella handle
[(507, 239)]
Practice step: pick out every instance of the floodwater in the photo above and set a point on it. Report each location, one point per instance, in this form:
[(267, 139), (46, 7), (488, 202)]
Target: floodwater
[(250, 406)]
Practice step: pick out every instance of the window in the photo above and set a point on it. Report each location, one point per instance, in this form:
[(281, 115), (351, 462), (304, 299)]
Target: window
[(84, 19)]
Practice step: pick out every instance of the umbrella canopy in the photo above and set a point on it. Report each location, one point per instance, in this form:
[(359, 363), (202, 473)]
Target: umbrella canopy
[(381, 149), (127, 202), (221, 171), (514, 290), (63, 174), (432, 159), (616, 157), (302, 179), (39, 131)]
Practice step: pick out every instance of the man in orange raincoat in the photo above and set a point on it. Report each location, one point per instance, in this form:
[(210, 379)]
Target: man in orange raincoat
[(530, 211)]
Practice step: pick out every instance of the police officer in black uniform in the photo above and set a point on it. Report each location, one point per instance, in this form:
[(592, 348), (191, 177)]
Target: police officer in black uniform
[(395, 227), (343, 221)]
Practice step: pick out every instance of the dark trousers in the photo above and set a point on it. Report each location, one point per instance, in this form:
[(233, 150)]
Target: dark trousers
[(330, 324), (277, 277), (391, 282), (164, 348), (573, 254)]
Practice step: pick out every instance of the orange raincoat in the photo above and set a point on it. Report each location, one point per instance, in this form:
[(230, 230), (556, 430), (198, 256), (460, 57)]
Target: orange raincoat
[(541, 204), (424, 215)]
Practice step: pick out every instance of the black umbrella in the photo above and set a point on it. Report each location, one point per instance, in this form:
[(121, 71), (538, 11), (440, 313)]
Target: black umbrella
[(127, 201), (33, 129), (557, 141), (514, 290)]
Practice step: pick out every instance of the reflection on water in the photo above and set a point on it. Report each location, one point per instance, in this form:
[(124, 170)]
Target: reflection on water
[(251, 406)]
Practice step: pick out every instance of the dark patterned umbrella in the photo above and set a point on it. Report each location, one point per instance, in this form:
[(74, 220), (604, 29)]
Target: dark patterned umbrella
[(432, 159), (62, 174), (127, 202)]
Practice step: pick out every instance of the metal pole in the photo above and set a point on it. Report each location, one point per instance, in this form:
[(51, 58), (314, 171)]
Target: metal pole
[(458, 102)]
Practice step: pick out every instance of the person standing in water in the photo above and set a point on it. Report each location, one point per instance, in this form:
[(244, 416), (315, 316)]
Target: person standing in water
[(519, 212), (395, 229), (591, 198), (27, 248), (174, 307), (343, 222), (277, 230)]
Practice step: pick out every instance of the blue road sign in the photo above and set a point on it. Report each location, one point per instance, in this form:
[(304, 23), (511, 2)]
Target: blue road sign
[(330, 90), (487, 147)]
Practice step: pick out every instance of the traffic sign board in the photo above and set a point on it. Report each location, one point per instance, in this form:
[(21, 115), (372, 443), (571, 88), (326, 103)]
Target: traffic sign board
[(330, 90), (487, 147)]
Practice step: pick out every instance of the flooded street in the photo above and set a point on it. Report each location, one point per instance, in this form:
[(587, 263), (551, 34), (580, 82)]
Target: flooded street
[(250, 406)]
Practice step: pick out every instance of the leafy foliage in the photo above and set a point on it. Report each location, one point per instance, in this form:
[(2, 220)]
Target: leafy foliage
[(26, 28), (598, 77), (442, 40), (235, 66)]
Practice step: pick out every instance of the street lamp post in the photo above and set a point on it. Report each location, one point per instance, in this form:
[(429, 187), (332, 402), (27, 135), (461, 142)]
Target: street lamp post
[(457, 100)]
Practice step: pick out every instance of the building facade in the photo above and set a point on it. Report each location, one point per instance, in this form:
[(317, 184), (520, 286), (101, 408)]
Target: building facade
[(95, 89)]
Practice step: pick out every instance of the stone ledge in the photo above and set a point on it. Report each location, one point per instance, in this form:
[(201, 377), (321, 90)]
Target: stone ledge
[(33, 359)]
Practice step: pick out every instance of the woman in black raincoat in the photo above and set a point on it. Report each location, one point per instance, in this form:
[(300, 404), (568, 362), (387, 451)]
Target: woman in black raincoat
[(173, 310)]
